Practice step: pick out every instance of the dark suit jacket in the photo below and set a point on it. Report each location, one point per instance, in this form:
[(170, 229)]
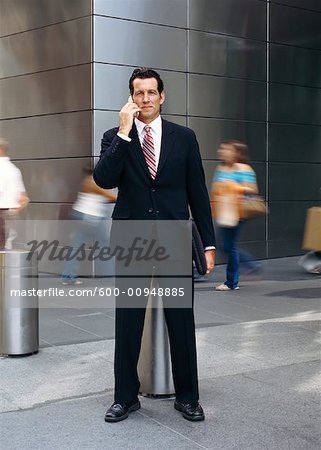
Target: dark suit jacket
[(179, 182)]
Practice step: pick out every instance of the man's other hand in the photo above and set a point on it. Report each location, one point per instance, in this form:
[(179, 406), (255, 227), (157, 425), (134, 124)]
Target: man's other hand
[(210, 260)]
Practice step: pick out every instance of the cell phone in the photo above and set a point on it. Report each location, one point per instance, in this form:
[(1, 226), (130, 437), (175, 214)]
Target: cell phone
[(130, 100)]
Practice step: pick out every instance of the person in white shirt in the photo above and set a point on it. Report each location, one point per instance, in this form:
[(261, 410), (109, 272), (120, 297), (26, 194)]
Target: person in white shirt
[(13, 196), (90, 212)]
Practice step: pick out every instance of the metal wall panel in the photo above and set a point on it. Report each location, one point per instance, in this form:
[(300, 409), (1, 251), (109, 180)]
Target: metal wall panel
[(104, 120), (294, 143), (253, 230), (119, 41), (167, 12), (209, 168), (243, 18), (294, 26), (52, 136), (46, 48), (295, 65), (226, 98), (287, 220), (260, 170), (305, 4), (211, 132), (180, 120), (50, 92), (111, 88), (256, 248), (293, 104), (279, 249), (21, 15), (54, 180), (294, 181), (46, 211), (227, 56), (286, 223)]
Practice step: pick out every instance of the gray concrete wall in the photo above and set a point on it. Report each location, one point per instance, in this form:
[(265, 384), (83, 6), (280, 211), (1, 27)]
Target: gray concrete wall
[(294, 146), (45, 91)]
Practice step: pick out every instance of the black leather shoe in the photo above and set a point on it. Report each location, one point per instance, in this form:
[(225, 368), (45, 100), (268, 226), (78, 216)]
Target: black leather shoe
[(190, 412), (120, 411)]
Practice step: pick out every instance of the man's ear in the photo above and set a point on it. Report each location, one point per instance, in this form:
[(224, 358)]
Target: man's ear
[(162, 97)]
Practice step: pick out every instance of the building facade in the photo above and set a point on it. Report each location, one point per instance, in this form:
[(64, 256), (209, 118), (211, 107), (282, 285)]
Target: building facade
[(233, 69)]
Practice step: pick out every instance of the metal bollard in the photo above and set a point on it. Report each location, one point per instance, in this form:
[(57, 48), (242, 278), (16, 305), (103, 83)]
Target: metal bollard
[(19, 314), (154, 365)]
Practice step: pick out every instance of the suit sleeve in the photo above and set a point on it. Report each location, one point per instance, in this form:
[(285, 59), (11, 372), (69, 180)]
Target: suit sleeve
[(198, 195), (109, 168)]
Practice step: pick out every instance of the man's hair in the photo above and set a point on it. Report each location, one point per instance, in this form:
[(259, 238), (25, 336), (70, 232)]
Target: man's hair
[(145, 72)]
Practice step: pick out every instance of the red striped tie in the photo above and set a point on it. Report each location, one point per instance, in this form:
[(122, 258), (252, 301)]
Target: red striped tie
[(149, 151)]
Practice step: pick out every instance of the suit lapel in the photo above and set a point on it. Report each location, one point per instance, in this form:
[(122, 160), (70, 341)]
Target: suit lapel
[(168, 138), (137, 149)]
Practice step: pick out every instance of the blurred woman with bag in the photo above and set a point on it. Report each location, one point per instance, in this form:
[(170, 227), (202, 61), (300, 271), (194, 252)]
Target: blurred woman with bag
[(233, 179)]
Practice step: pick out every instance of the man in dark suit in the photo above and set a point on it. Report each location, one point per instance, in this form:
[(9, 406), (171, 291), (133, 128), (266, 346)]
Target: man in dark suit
[(157, 168)]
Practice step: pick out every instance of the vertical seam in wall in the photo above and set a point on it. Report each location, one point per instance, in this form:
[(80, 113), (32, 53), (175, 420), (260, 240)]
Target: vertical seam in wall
[(267, 120), (187, 60), (92, 78), (92, 103)]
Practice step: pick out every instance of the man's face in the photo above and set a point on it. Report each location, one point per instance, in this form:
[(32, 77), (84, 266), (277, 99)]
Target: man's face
[(147, 97)]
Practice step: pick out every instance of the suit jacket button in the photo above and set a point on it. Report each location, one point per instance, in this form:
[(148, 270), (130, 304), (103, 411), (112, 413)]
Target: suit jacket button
[(153, 190), (150, 210)]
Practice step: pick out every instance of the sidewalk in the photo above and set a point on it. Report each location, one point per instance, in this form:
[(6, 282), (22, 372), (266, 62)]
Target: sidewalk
[(259, 368)]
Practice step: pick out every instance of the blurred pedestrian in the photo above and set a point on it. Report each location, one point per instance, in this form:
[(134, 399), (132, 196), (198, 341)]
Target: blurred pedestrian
[(90, 212), (233, 178), (13, 196)]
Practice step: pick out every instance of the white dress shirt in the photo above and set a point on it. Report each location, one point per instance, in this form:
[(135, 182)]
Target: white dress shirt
[(11, 184), (156, 132)]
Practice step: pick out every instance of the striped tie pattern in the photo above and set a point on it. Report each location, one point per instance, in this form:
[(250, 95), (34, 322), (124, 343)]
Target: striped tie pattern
[(149, 151)]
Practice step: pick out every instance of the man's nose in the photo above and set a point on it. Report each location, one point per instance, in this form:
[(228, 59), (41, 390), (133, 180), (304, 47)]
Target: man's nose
[(146, 97)]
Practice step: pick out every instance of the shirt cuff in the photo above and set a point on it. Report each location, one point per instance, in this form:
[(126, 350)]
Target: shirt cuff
[(124, 137), (210, 247)]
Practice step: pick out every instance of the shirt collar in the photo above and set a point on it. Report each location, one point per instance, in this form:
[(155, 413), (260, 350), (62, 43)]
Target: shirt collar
[(4, 158), (155, 125)]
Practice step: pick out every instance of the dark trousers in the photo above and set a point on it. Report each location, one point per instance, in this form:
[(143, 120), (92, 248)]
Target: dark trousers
[(236, 256), (181, 331), (230, 242)]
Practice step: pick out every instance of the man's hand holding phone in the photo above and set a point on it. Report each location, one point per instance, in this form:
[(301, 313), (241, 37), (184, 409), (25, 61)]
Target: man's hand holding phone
[(126, 116)]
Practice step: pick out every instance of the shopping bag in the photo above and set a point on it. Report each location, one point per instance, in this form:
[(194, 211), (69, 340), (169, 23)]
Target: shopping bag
[(253, 205)]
